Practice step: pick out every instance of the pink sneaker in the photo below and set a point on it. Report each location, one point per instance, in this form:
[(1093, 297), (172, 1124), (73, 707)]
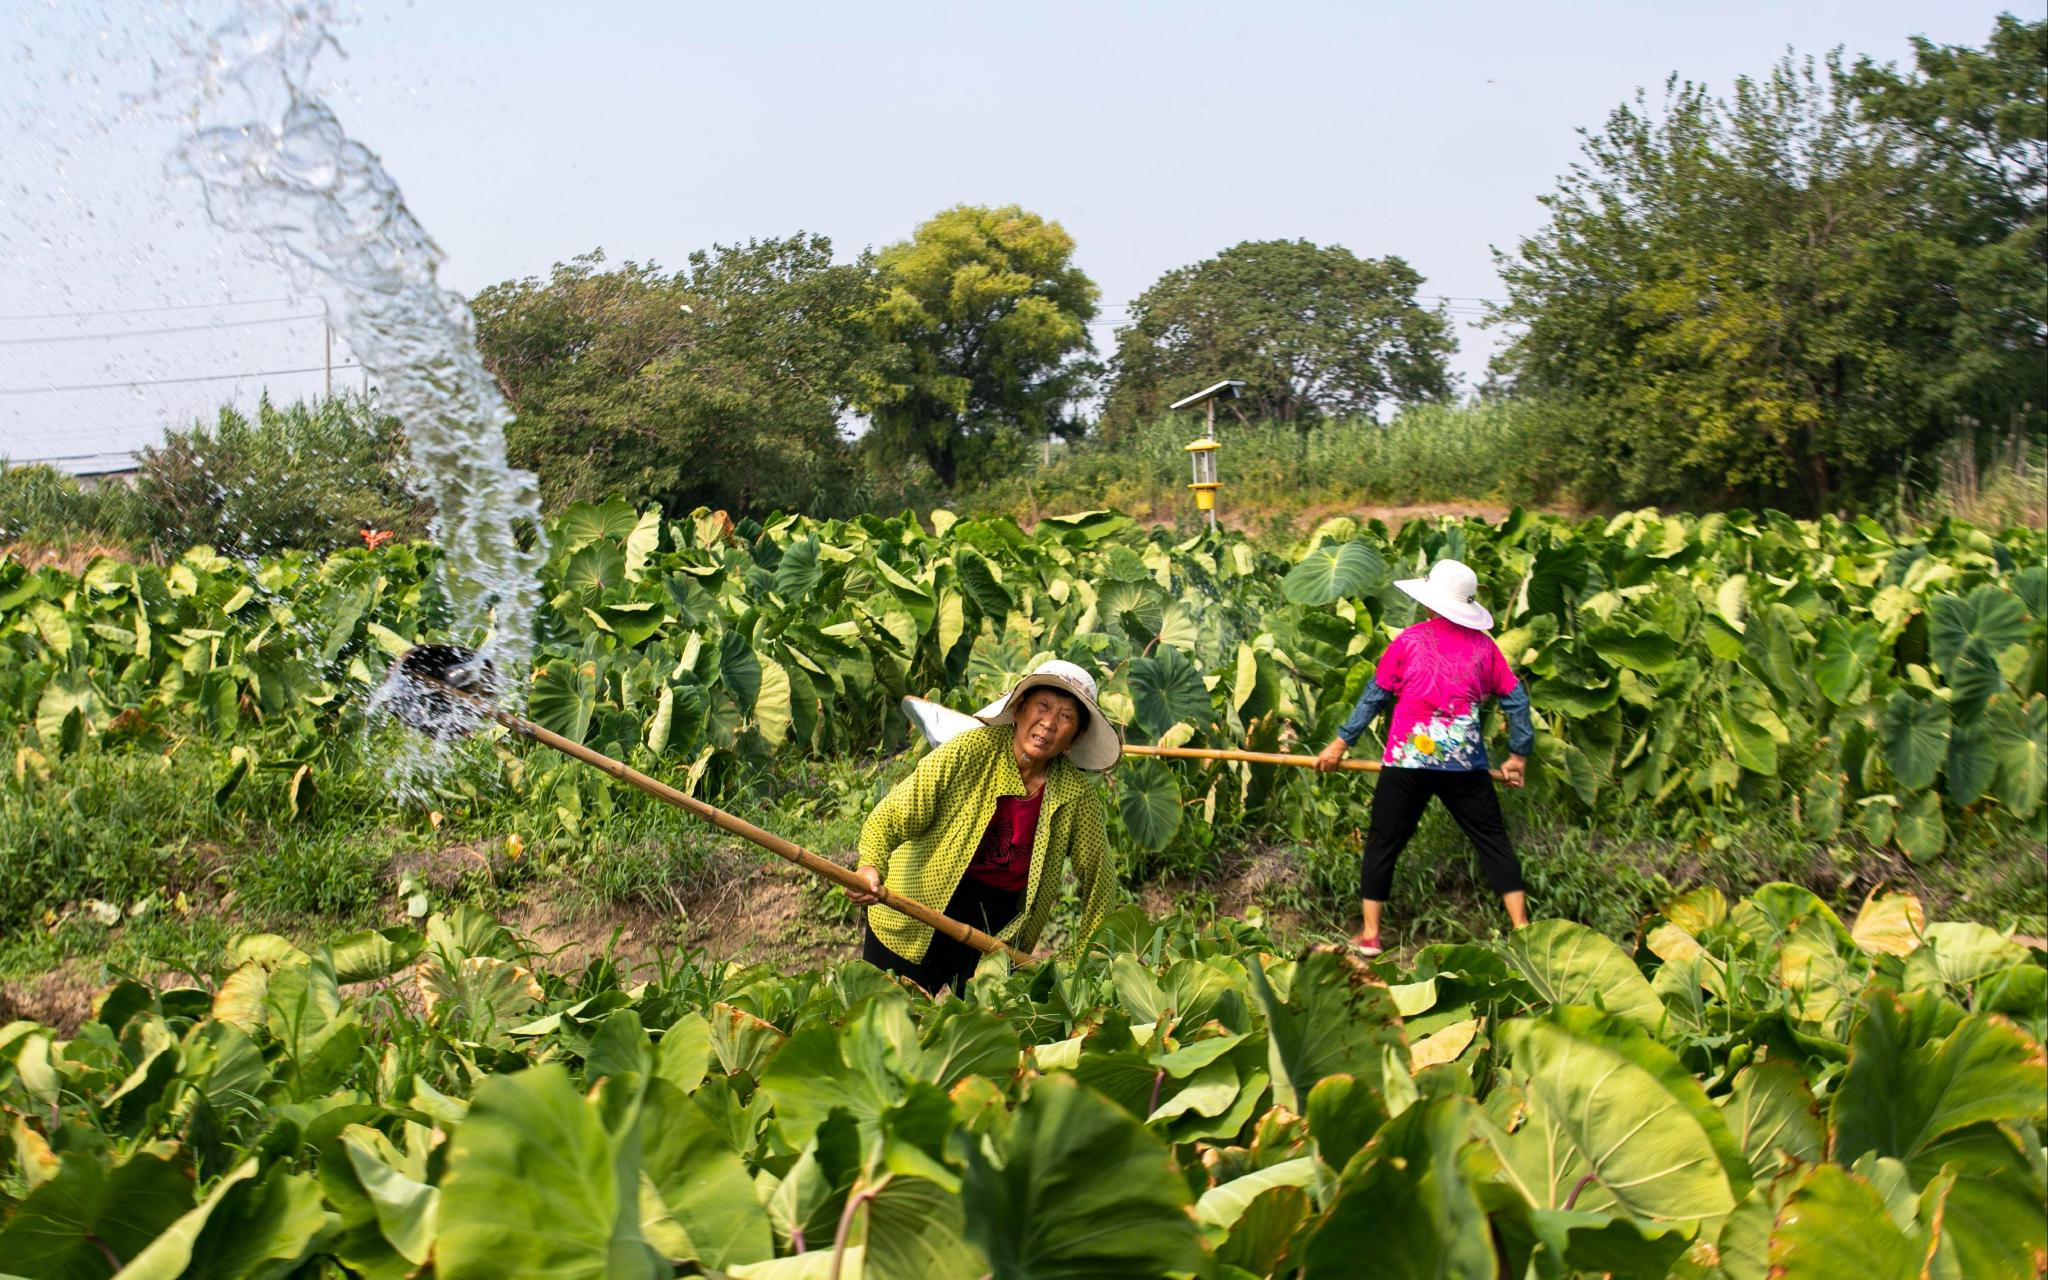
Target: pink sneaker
[(1367, 947)]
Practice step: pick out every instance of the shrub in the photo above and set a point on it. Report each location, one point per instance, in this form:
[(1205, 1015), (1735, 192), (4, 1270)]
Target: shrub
[(309, 476)]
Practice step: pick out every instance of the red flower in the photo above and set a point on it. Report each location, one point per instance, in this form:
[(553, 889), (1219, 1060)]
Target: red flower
[(375, 538)]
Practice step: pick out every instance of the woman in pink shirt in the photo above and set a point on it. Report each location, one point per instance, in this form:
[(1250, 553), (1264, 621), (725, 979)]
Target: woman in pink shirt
[(1435, 675)]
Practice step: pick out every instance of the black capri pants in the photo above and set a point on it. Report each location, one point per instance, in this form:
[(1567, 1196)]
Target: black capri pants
[(948, 962), (1397, 805)]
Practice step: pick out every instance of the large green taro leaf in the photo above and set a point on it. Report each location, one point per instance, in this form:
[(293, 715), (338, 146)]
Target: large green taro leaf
[(1834, 1226), (979, 580), (259, 1227), (1751, 743), (1914, 733), (1971, 766), (65, 1227), (564, 697), (914, 1230), (1649, 652), (739, 670), (2019, 739), (1568, 963), (584, 523), (865, 1066), (1845, 659), (594, 570), (1648, 1135), (1406, 1195), (1148, 797), (1167, 689), (1960, 954), (1921, 830), (1991, 616), (1992, 1222), (1920, 1068), (536, 1185), (699, 1181), (70, 693), (1078, 1190), (1332, 572), (798, 573), (632, 621), (1775, 1118), (374, 953), (1337, 1018), (384, 1196)]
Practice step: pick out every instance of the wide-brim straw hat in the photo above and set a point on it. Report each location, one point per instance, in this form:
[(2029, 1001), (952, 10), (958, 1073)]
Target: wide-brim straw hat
[(1098, 746), (1452, 589)]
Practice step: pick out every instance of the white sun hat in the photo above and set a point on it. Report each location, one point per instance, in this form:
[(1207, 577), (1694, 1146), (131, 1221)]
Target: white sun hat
[(1452, 589), (1098, 746)]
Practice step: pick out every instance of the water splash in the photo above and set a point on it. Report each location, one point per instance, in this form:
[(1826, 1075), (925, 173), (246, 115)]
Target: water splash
[(273, 162)]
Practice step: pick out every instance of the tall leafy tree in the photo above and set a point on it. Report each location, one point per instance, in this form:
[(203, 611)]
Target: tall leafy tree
[(986, 317), (1774, 297), (1976, 123), (1314, 331), (721, 385)]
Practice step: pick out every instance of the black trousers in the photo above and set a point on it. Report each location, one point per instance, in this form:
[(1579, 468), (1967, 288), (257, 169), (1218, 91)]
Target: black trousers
[(947, 962), (1397, 805)]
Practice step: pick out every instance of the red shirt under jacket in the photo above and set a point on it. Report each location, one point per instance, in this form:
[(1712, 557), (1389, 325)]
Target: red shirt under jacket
[(1003, 859)]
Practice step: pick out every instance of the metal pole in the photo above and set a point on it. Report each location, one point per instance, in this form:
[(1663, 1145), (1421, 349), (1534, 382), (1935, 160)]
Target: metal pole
[(327, 380), (1210, 432)]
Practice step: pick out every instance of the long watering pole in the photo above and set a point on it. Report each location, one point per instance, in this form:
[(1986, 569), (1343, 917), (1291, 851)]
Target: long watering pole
[(811, 862), (939, 723), (1261, 757)]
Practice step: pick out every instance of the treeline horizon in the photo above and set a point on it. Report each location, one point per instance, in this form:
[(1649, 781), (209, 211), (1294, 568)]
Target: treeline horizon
[(1798, 295)]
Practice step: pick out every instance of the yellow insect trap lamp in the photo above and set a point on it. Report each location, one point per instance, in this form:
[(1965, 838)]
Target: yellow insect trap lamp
[(1202, 453)]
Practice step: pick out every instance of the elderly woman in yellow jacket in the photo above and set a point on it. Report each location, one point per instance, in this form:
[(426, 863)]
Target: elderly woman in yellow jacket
[(985, 827)]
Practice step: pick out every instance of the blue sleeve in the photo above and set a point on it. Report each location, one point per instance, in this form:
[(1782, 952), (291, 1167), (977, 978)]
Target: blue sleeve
[(1370, 703), (1521, 729)]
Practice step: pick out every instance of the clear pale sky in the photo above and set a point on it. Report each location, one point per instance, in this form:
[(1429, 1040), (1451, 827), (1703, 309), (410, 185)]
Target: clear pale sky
[(524, 133)]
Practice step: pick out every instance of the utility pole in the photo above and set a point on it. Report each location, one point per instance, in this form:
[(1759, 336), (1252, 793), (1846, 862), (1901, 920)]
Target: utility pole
[(327, 380)]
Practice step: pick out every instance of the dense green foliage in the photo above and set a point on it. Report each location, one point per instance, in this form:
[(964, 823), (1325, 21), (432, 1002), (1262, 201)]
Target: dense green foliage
[(1313, 331), (310, 475), (1825, 679), (1759, 1089), (988, 316), (1431, 455), (1788, 295), (721, 385)]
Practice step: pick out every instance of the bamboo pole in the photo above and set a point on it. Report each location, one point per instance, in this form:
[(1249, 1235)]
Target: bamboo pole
[(1261, 757), (814, 863)]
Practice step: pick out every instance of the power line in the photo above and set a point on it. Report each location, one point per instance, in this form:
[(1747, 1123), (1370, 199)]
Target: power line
[(146, 333), (143, 311), (163, 382)]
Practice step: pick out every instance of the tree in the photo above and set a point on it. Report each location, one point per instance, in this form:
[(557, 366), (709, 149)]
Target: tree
[(722, 385), (1314, 331), (1976, 122), (987, 318), (1770, 298)]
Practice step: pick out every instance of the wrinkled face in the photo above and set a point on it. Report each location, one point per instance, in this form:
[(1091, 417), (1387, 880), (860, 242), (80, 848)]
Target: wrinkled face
[(1047, 723)]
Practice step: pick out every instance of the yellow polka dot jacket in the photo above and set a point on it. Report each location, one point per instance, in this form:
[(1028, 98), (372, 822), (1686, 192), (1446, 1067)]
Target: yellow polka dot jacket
[(924, 833)]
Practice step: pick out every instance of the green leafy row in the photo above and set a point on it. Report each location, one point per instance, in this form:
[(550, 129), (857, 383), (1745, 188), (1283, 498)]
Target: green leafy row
[(1725, 667), (1760, 1089)]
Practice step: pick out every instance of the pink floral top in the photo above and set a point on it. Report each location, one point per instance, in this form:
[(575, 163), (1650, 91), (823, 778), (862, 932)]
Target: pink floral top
[(1436, 674)]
